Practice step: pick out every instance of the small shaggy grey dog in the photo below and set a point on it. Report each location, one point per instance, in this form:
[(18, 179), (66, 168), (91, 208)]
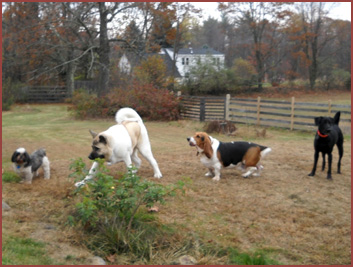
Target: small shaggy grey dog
[(26, 165)]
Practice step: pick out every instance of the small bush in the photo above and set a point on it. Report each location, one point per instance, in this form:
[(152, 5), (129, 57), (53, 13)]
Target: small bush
[(10, 93), (113, 211), (207, 78), (151, 103)]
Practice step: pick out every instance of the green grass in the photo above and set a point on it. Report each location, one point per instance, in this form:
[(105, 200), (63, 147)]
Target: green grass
[(52, 123), (24, 251), (10, 177), (46, 121), (257, 258)]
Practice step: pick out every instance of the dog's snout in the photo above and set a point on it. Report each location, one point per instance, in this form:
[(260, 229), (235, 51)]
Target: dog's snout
[(188, 138)]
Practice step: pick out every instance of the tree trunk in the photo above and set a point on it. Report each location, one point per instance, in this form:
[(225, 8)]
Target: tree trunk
[(70, 73), (104, 51)]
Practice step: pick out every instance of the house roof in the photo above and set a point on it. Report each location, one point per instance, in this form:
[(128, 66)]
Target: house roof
[(198, 51), (135, 59), (168, 62)]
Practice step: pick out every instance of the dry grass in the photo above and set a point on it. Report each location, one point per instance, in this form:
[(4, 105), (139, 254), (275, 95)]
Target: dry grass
[(296, 218)]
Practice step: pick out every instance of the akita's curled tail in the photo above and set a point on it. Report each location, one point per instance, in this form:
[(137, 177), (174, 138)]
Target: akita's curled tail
[(127, 114)]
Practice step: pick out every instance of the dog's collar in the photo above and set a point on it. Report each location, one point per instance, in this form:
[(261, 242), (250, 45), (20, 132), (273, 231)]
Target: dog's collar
[(322, 135)]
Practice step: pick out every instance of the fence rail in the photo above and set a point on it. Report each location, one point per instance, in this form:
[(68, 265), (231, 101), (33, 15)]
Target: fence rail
[(263, 112), (44, 94)]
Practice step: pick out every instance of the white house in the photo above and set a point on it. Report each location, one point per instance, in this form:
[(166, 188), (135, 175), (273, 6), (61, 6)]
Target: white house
[(186, 58), (124, 64)]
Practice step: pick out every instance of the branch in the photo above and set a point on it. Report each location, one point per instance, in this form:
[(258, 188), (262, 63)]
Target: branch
[(60, 65)]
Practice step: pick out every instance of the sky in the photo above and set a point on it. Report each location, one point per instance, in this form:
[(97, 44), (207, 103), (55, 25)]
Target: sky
[(338, 10)]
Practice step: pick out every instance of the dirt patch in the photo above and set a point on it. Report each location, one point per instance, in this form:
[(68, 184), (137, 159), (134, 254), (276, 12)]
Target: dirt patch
[(299, 219)]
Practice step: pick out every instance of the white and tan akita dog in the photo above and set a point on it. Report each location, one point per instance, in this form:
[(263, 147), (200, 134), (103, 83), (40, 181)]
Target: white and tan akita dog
[(122, 142)]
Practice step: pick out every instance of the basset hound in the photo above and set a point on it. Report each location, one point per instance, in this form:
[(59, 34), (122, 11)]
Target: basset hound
[(215, 155)]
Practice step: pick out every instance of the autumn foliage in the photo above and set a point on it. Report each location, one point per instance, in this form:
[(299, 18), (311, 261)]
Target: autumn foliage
[(151, 103)]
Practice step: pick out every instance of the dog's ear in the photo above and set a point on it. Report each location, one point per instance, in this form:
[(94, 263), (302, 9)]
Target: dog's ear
[(336, 119), (27, 159), (93, 133), (318, 120), (102, 139), (14, 156), (207, 148)]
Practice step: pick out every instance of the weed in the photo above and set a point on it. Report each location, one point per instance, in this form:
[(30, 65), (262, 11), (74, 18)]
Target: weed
[(112, 211)]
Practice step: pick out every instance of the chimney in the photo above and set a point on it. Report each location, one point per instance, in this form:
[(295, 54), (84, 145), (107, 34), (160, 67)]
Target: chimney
[(190, 48)]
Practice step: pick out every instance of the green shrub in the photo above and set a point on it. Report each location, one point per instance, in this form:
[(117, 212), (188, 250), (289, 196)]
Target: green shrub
[(114, 211), (244, 72), (10, 93), (208, 78)]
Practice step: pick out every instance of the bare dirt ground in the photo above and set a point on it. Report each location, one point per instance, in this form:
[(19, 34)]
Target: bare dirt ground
[(296, 218)]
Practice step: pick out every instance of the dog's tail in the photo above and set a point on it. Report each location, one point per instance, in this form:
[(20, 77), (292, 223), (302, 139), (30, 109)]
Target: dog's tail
[(127, 114), (40, 153), (265, 152)]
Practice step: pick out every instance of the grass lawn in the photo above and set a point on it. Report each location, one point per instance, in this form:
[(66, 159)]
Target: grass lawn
[(284, 216)]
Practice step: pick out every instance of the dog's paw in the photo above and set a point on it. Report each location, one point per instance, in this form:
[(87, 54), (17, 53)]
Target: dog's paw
[(25, 182), (79, 184), (158, 175), (208, 174), (311, 174), (216, 178)]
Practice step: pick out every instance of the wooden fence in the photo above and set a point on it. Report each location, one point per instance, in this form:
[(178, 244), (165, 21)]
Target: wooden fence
[(284, 114), (44, 94)]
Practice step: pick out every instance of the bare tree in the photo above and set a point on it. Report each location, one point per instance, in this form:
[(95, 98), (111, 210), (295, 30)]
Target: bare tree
[(260, 18), (312, 16)]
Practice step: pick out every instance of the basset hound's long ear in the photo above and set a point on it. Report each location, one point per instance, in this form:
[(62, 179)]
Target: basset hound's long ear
[(207, 149)]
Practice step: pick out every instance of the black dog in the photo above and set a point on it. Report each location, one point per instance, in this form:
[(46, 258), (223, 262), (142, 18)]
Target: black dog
[(327, 135)]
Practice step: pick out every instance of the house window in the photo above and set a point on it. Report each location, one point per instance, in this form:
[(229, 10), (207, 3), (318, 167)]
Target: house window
[(187, 61), (183, 61)]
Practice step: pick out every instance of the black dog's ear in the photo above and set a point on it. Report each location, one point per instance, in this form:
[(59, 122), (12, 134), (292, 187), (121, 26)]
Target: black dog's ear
[(102, 139), (14, 156), (318, 120), (336, 119)]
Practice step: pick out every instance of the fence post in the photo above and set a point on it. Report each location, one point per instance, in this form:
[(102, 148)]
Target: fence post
[(329, 107), (202, 109), (226, 107), (258, 110), (292, 114)]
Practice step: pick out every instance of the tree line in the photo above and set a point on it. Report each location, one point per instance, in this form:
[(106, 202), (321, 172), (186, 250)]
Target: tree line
[(60, 42)]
